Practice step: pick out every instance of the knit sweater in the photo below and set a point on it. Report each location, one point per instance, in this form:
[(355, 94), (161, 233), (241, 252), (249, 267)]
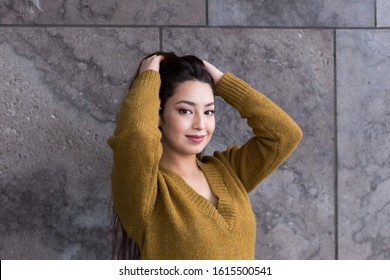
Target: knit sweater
[(166, 217)]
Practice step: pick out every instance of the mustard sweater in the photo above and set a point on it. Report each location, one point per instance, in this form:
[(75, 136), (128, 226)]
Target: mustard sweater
[(164, 215)]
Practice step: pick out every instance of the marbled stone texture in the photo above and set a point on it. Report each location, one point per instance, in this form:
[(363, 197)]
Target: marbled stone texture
[(363, 107), (117, 12), (383, 13), (60, 93), (61, 88), (330, 13), (295, 206)]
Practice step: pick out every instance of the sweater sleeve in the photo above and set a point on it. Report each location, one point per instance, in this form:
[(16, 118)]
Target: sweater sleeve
[(136, 152), (276, 135)]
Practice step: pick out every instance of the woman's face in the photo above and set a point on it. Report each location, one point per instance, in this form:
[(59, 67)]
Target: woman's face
[(188, 122)]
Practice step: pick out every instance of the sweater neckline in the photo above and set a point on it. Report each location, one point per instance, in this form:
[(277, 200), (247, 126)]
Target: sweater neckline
[(225, 212)]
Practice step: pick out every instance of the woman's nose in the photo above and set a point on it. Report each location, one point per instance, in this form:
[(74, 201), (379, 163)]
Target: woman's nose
[(198, 121)]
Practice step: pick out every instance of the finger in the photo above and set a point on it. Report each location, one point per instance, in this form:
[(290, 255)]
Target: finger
[(206, 63), (151, 63)]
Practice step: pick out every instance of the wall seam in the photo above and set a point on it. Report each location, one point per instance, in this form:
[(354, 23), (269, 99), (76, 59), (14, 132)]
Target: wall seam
[(192, 27), (207, 12), (375, 13), (160, 32), (336, 168)]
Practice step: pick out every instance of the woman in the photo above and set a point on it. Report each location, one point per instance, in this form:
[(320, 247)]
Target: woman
[(171, 203)]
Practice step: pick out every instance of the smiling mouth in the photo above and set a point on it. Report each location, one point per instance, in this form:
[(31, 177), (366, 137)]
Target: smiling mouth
[(196, 138)]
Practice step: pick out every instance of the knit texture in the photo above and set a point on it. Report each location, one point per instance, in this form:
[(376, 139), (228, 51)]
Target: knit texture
[(165, 216)]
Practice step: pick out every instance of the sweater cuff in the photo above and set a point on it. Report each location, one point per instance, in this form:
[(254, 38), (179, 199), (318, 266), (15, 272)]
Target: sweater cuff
[(233, 90)]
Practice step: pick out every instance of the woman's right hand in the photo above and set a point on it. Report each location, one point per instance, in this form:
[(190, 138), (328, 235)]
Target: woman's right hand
[(151, 63)]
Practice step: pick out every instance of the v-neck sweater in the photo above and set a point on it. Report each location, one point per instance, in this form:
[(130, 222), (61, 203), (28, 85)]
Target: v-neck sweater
[(166, 217)]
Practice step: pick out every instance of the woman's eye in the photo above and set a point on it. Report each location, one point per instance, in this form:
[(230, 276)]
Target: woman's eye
[(210, 112), (185, 111)]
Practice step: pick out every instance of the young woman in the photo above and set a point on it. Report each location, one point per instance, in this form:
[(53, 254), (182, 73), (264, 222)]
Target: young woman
[(170, 203)]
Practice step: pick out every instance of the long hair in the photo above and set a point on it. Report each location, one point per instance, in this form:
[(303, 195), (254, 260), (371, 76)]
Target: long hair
[(174, 70)]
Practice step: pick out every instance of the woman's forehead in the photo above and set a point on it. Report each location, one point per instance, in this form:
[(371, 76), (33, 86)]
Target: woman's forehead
[(196, 92)]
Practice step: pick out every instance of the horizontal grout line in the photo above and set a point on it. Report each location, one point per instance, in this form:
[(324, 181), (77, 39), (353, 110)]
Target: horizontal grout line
[(190, 27)]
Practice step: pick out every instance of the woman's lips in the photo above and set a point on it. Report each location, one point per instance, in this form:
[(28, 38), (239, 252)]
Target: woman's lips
[(196, 138)]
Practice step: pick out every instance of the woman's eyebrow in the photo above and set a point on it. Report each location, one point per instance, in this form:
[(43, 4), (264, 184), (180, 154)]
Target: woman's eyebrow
[(193, 103)]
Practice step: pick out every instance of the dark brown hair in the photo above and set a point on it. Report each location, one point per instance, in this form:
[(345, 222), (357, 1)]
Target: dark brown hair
[(174, 70)]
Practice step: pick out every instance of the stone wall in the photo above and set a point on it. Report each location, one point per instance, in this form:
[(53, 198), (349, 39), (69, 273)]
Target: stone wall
[(66, 65)]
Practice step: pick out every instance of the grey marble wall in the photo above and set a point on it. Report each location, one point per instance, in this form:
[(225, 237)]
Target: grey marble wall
[(383, 13), (65, 66), (364, 143)]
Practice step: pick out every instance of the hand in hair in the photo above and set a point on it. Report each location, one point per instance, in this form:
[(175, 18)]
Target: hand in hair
[(151, 63), (214, 72)]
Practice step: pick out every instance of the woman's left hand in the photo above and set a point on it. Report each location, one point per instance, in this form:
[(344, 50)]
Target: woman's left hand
[(214, 72)]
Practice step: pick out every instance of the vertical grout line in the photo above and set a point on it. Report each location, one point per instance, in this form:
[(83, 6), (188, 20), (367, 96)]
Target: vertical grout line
[(336, 168), (207, 12), (375, 13), (160, 38)]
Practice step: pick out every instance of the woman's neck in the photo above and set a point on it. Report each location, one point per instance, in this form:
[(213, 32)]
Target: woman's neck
[(181, 165)]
